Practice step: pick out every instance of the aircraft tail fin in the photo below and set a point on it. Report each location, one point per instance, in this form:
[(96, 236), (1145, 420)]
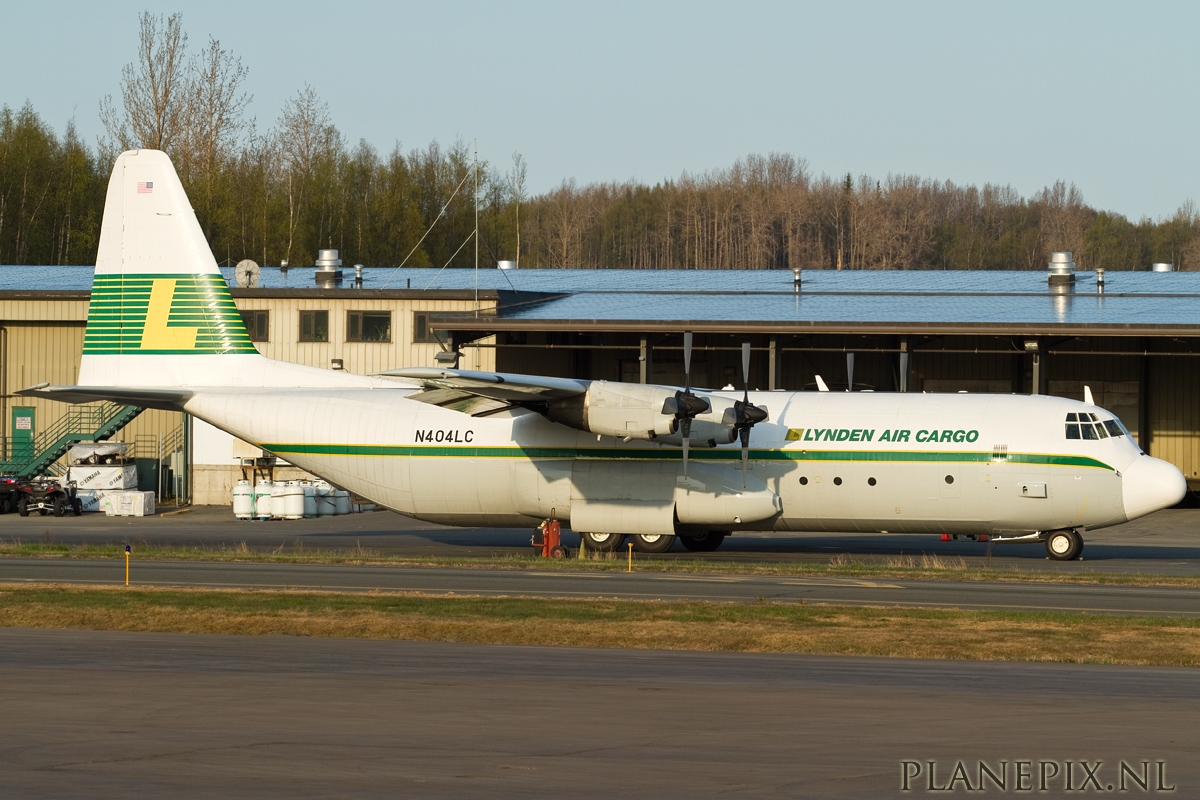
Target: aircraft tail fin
[(161, 314)]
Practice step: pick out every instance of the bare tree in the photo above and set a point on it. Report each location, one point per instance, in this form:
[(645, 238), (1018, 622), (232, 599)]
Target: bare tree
[(516, 186), (305, 135), (154, 89), (214, 121)]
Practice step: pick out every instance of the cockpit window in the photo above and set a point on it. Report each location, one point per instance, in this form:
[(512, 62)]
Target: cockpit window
[(1086, 425)]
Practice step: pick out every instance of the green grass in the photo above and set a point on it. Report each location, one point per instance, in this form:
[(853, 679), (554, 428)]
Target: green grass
[(756, 627)]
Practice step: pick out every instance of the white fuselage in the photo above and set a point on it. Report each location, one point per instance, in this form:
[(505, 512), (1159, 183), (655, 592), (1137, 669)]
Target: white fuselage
[(835, 461)]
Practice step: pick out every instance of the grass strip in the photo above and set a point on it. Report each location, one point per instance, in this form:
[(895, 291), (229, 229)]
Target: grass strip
[(903, 567), (756, 628)]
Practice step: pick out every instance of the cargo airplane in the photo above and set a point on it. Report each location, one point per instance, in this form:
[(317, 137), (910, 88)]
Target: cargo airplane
[(614, 460)]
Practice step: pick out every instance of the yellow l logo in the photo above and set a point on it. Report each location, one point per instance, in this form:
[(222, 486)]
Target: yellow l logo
[(156, 335)]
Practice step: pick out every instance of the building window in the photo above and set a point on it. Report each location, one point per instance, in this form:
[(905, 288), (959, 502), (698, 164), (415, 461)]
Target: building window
[(368, 326), (314, 326), (258, 325), (422, 331)]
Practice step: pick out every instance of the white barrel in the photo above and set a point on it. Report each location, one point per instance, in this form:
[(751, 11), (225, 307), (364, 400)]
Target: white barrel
[(325, 500), (243, 500), (310, 499), (262, 499), (287, 501), (341, 502)]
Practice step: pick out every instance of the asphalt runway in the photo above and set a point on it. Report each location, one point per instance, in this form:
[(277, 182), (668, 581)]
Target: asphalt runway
[(1095, 599), (1166, 543), (112, 714)]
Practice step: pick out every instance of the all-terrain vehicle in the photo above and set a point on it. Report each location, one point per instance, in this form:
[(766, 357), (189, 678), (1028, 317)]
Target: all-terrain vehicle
[(8, 494), (47, 495)]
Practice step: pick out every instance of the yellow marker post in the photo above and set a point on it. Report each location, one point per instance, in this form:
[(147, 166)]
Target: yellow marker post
[(630, 557), (126, 565)]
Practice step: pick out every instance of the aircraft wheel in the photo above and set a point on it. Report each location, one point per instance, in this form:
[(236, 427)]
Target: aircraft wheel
[(705, 542), (602, 542), (653, 542), (1064, 545)]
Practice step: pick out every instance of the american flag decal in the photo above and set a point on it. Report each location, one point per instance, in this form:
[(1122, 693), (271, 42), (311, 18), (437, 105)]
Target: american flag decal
[(145, 187)]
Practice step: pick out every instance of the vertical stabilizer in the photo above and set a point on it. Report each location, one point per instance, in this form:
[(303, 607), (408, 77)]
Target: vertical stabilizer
[(161, 314)]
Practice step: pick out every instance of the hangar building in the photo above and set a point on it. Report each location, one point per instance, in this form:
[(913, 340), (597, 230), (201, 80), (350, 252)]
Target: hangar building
[(1131, 337)]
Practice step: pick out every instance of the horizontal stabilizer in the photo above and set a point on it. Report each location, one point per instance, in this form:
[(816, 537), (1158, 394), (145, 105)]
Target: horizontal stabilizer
[(165, 399), (496, 385)]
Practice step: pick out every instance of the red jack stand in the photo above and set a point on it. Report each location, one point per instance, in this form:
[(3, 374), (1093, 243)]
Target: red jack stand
[(549, 538)]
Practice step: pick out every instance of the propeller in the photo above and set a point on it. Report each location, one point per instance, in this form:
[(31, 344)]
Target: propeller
[(684, 406), (745, 414)]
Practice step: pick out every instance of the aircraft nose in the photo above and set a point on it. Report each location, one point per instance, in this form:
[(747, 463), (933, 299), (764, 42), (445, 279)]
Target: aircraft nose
[(1150, 484)]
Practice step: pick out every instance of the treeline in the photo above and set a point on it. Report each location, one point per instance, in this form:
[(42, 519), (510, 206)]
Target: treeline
[(282, 193)]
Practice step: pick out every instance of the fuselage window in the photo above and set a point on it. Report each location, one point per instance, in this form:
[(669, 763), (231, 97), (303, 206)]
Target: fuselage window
[(803, 481), (1089, 431), (1071, 417), (1114, 427), (1072, 430)]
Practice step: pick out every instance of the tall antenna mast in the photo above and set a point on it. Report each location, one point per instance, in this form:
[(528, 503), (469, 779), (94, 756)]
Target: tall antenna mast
[(476, 227)]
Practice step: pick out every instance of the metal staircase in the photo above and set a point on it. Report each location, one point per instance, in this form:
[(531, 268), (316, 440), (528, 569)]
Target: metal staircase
[(80, 424)]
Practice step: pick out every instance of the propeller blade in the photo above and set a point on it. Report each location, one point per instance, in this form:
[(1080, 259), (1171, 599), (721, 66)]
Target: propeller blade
[(746, 368), (685, 429), (745, 432), (850, 372), (687, 360)]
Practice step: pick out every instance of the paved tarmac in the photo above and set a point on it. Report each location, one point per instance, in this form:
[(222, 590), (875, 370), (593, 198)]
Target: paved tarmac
[(1142, 600), (114, 714), (1167, 542)]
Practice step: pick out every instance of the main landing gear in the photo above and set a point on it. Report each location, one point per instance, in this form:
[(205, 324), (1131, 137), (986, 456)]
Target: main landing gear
[(1064, 545), (704, 542)]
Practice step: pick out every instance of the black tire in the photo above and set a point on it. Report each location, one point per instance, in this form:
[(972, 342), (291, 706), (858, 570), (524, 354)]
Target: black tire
[(704, 542), (60, 506), (558, 552), (602, 542), (23, 507), (1064, 545), (77, 507), (654, 542)]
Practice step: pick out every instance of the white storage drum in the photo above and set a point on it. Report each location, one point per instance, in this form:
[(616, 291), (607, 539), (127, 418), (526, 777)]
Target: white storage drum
[(341, 502), (262, 499), (243, 500), (287, 501), (325, 499), (310, 499)]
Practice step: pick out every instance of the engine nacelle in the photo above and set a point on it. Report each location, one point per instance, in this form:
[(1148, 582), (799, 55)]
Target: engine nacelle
[(627, 410)]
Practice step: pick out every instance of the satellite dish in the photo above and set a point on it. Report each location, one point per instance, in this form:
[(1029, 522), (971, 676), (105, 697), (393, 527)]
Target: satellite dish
[(246, 274)]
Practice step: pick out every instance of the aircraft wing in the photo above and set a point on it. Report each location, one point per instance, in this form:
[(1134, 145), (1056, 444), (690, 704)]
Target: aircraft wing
[(502, 386), (165, 399)]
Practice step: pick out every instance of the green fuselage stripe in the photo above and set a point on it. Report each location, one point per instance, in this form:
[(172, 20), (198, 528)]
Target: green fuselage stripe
[(788, 455)]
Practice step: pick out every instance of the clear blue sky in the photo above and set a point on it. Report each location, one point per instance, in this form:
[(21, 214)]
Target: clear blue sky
[(1023, 93)]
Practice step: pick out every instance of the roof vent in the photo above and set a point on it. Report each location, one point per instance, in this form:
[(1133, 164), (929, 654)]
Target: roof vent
[(1161, 268), (329, 272), (1061, 269)]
